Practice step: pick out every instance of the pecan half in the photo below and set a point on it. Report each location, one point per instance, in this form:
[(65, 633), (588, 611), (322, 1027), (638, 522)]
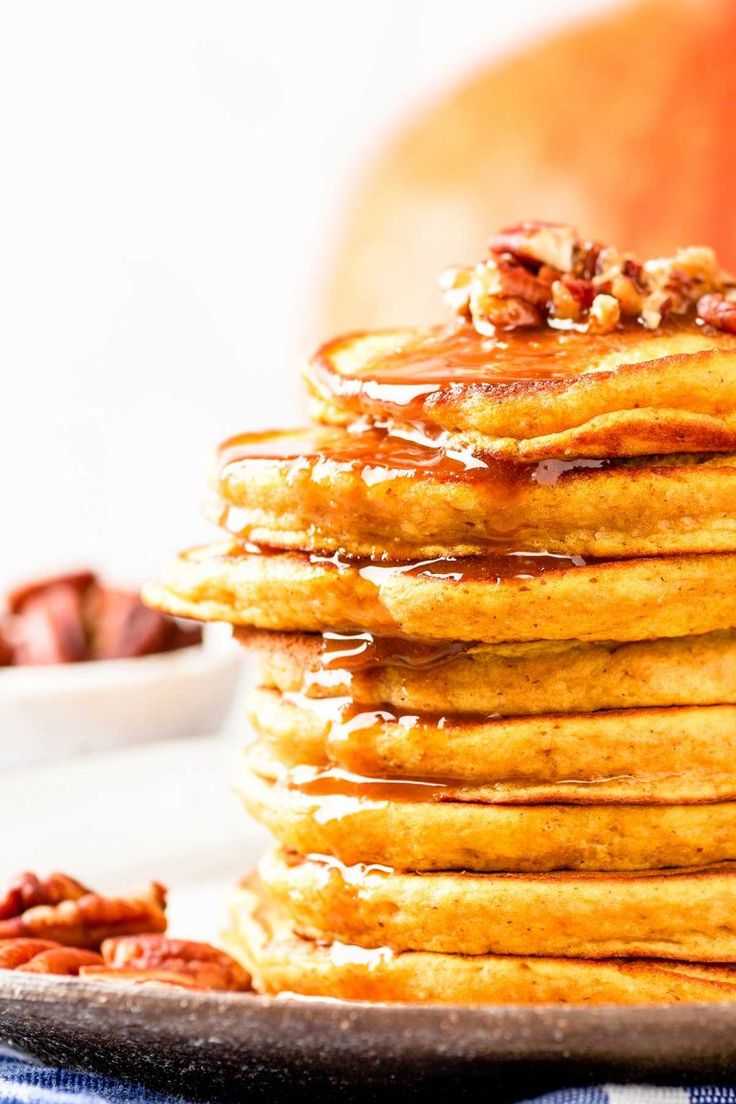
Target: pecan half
[(90, 919), (203, 965), (27, 890), (719, 311), (16, 952), (43, 956), (71, 618), (49, 626), (138, 977), (549, 243), (67, 961), (17, 598)]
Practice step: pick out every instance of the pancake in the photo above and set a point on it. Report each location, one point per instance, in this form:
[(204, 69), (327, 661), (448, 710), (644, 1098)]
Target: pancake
[(673, 755), (509, 679), (400, 494), (488, 599), (261, 938), (532, 395), (412, 826), (684, 916)]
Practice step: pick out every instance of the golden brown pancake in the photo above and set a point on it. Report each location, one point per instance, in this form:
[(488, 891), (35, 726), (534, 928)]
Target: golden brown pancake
[(261, 937), (532, 395), (510, 679), (488, 599), (670, 755), (688, 916), (411, 826), (402, 495)]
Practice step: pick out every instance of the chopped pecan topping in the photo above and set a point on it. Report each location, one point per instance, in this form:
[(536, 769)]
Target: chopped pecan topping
[(540, 272), (43, 956), (203, 966), (26, 891), (90, 919), (605, 314), (548, 243)]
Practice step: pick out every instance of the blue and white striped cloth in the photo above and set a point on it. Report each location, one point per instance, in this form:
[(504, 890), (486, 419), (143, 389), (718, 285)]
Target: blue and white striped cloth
[(640, 1094), (24, 1083)]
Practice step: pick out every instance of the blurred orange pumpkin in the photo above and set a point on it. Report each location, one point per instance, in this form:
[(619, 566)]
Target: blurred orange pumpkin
[(624, 126)]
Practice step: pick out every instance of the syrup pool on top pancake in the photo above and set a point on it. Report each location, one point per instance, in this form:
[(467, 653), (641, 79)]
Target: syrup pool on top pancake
[(563, 348), (533, 395)]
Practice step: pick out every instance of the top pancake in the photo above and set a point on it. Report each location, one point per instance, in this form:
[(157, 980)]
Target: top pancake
[(539, 394)]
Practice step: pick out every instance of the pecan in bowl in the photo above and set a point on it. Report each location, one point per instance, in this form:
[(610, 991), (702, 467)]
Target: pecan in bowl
[(75, 617)]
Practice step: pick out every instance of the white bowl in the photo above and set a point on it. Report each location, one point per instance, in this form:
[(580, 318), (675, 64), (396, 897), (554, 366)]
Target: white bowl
[(51, 713)]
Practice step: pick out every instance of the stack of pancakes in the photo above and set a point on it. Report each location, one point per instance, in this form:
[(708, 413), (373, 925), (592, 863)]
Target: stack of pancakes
[(493, 593)]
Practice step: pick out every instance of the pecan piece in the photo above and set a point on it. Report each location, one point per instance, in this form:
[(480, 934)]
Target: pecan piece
[(507, 314), (50, 626), (139, 977), (90, 919), (66, 961), (718, 311), (43, 956), (203, 965), (122, 626), (17, 598), (548, 243), (605, 314), (27, 890), (16, 952)]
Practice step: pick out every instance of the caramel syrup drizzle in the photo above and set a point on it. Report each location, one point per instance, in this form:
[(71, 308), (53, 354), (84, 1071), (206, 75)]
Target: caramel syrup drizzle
[(380, 451), (441, 358)]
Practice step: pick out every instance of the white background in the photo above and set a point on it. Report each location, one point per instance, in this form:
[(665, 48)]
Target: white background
[(172, 179)]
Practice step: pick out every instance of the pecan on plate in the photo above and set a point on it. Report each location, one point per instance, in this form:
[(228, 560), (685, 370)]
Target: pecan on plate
[(90, 919), (44, 956), (198, 965), (138, 977), (27, 890)]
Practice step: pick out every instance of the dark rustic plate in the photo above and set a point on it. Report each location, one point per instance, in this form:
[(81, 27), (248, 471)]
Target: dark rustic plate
[(229, 1046)]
